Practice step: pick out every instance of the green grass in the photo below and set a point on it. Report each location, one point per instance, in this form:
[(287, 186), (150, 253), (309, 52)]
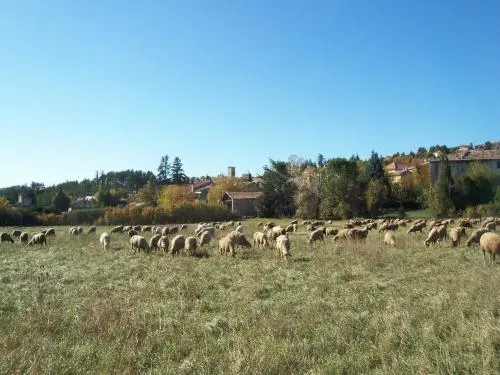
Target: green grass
[(72, 307)]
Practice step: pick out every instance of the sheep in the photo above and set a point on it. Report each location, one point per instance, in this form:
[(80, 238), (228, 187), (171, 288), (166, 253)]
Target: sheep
[(239, 239), (357, 233), (416, 227), (456, 234), (105, 239), (279, 230), (491, 226), (388, 226), (190, 245), (317, 223), (5, 237), (38, 239), (117, 229), (226, 245), (490, 243), (92, 230), (432, 237), (210, 229), (283, 246), (205, 238), (153, 241), (146, 228), (173, 230), (165, 231), (183, 227), (476, 236), (390, 239), (291, 228), (315, 236), (73, 231), (139, 243), (272, 235), (158, 230), (177, 244), (16, 233), (127, 228), (294, 222), (239, 228), (132, 232), (24, 237), (465, 223), (80, 230), (310, 228), (163, 243), (259, 239), (137, 228), (443, 233), (330, 231), (343, 234)]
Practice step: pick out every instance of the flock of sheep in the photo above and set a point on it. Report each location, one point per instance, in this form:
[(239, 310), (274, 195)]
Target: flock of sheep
[(171, 240)]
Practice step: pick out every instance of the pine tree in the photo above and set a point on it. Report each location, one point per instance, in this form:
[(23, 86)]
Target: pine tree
[(178, 176), (61, 201), (321, 160), (163, 171), (375, 168)]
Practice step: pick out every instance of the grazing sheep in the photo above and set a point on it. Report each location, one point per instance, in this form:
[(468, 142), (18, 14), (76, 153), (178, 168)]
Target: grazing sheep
[(38, 239), (343, 234), (80, 230), (272, 235), (177, 244), (283, 246), (443, 233), (165, 231), (357, 233), (239, 228), (456, 234), (132, 232), (259, 239), (491, 226), (24, 237), (330, 231), (315, 236), (174, 230), (388, 226), (190, 245), (226, 245), (153, 241), (310, 228), (240, 239), (16, 233), (158, 230), (432, 237), (417, 227), (205, 238), (183, 226), (117, 229), (476, 236), (5, 237), (291, 228), (139, 243), (73, 231), (146, 228), (279, 230), (294, 222), (92, 230), (466, 223), (163, 243), (105, 239), (127, 228), (490, 243), (390, 239), (137, 228)]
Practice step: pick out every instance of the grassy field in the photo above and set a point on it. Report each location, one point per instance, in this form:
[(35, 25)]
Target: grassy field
[(71, 307)]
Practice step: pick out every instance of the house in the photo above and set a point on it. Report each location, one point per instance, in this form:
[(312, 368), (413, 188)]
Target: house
[(200, 189), (460, 161), (396, 170), (241, 202), (86, 202), (24, 201)]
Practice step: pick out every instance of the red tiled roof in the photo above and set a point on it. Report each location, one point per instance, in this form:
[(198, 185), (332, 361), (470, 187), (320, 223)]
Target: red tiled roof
[(244, 194)]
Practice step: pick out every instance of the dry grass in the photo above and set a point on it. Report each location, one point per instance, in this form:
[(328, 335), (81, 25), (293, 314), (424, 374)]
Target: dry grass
[(335, 308)]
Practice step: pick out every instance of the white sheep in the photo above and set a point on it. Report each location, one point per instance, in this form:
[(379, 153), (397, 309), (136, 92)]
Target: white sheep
[(190, 245), (163, 243), (139, 243), (259, 239), (316, 235), (490, 243), (283, 246), (390, 239), (177, 244), (105, 239)]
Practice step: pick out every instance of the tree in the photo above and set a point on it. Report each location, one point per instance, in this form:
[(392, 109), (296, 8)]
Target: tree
[(439, 197), (488, 145), (177, 172), (308, 194), (321, 161), (61, 201), (277, 191), (173, 196), (375, 195), (341, 193), (374, 169), (148, 194), (4, 202), (163, 171)]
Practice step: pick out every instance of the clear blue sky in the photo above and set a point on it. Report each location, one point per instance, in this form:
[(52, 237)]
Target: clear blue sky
[(112, 85)]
